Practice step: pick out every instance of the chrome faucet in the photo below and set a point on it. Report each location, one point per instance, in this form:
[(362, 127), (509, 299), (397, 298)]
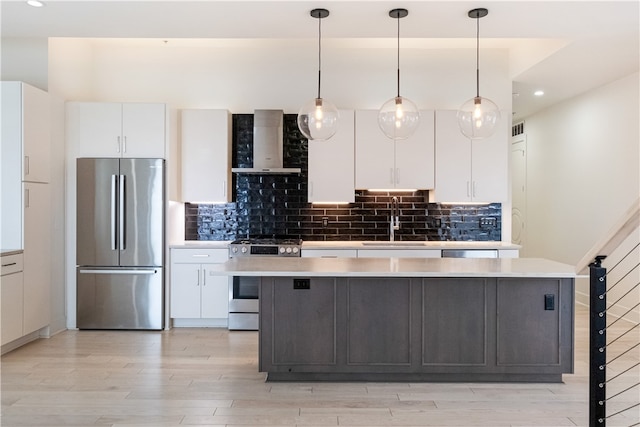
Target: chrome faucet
[(394, 220)]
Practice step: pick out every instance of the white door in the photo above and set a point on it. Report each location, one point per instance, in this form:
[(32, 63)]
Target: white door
[(185, 290), (215, 295), (518, 188)]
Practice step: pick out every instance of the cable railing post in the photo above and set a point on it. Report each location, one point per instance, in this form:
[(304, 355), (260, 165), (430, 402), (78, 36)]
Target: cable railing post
[(597, 342)]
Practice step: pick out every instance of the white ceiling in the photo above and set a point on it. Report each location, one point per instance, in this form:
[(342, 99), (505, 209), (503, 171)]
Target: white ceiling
[(562, 47)]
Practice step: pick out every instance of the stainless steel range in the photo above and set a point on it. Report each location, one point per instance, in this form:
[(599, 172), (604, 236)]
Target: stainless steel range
[(243, 291)]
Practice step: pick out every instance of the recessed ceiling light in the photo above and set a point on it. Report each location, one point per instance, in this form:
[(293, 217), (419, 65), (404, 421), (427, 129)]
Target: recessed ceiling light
[(35, 3), (538, 93)]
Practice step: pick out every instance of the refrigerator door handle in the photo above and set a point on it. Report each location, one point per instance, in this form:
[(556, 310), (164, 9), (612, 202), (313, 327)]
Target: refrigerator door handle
[(139, 272), (114, 190), (121, 220)]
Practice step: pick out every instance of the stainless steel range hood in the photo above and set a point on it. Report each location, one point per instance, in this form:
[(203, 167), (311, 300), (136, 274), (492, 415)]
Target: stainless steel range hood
[(267, 144)]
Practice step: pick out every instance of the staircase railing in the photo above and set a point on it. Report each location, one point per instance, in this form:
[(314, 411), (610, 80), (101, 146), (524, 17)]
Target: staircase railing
[(614, 341)]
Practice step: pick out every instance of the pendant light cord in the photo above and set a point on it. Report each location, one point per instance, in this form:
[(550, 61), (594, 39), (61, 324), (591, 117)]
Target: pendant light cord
[(478, 56), (319, 52), (398, 54)]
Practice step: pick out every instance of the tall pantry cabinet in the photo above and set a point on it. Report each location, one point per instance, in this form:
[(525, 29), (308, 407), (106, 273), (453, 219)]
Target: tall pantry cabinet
[(26, 195)]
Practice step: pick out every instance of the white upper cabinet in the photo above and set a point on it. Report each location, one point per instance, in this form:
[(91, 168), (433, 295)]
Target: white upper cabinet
[(470, 171), (206, 155), (26, 130), (331, 164), (36, 134), (386, 164), (110, 129)]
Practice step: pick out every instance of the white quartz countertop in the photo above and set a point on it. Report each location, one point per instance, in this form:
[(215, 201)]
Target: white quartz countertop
[(201, 244), (407, 245), (356, 244), (7, 252), (394, 267)]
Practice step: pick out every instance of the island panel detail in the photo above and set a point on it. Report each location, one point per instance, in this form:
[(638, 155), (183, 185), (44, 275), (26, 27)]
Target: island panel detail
[(416, 329)]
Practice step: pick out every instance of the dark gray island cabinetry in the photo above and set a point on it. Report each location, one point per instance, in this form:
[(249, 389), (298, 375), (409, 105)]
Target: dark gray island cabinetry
[(393, 319)]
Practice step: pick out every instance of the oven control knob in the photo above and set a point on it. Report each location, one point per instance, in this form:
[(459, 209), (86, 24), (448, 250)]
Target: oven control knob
[(288, 250), (282, 249), (244, 249), (295, 250), (235, 250)]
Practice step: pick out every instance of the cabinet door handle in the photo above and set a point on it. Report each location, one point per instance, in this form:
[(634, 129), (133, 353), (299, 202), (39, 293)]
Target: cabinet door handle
[(27, 202), (10, 264), (124, 144), (224, 188), (200, 255), (26, 165), (397, 175), (468, 189), (204, 277), (198, 279), (117, 144), (474, 189)]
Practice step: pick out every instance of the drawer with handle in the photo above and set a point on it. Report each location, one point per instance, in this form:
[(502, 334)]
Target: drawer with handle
[(11, 264), (200, 256)]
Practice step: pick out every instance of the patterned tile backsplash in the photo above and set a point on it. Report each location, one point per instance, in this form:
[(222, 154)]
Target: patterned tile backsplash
[(277, 205)]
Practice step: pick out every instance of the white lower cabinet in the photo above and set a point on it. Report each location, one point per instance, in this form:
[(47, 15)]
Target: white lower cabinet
[(509, 253), (12, 303), (196, 293), (37, 256)]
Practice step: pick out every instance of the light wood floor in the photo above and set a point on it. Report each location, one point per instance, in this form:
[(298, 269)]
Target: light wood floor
[(210, 377)]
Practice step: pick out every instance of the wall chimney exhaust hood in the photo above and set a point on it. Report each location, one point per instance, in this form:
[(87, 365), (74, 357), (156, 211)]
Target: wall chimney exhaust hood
[(267, 144)]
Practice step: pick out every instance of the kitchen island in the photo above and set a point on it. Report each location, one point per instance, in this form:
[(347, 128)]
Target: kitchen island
[(413, 319)]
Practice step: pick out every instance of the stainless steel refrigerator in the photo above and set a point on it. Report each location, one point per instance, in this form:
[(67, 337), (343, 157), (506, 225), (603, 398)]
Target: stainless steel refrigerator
[(120, 243)]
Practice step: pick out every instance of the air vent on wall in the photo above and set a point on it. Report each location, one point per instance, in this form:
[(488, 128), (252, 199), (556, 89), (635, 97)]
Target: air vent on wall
[(517, 129)]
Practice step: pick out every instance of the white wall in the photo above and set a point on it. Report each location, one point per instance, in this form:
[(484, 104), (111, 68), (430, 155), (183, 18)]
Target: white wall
[(583, 172), (242, 75), (25, 59), (582, 169), (57, 186)]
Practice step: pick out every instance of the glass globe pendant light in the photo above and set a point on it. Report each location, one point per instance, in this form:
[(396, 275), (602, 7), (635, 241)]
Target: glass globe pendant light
[(399, 117), (478, 117), (318, 119)]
